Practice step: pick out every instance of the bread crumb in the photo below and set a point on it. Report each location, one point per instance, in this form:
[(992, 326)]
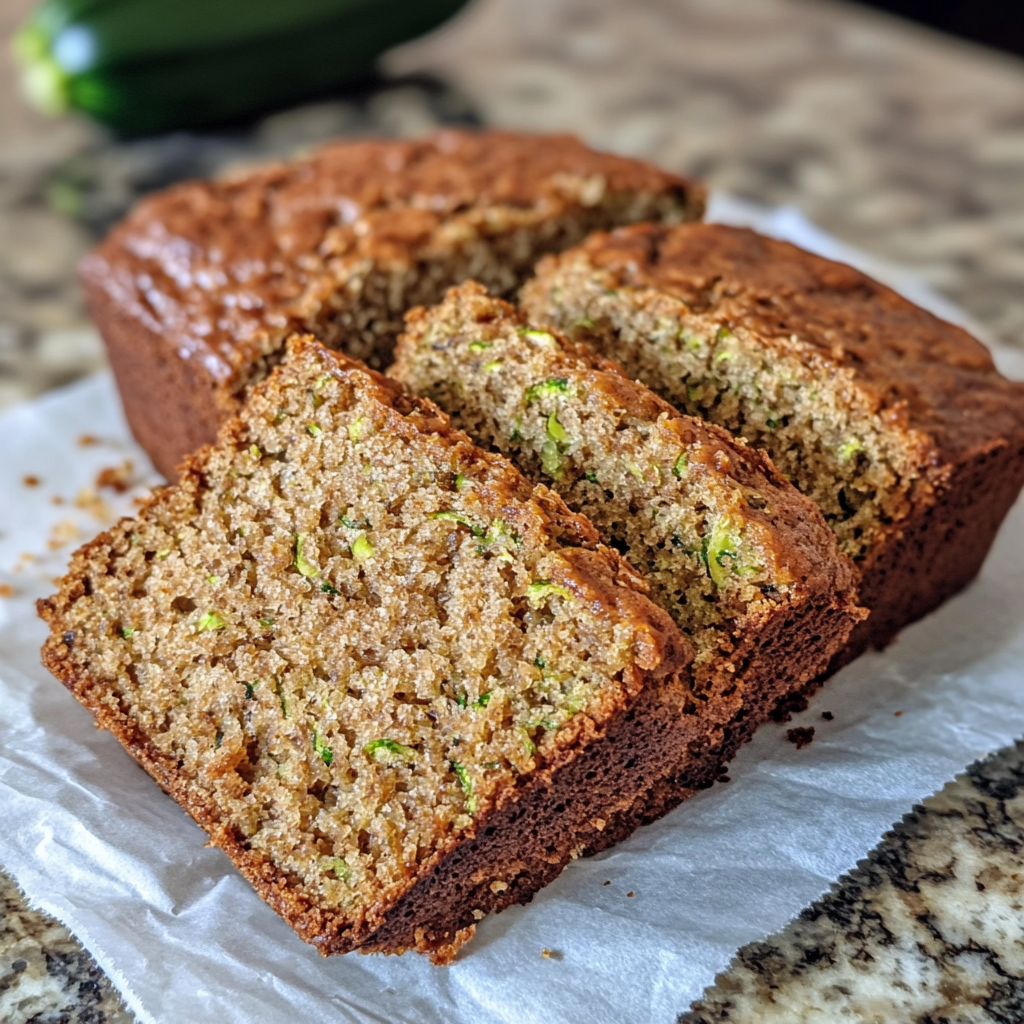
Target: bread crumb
[(607, 883), (827, 715), (897, 714), (31, 481), (801, 736), (6, 590), (117, 478), (63, 533), (630, 893), (56, 500), (552, 954), (598, 823), (88, 500), (87, 440)]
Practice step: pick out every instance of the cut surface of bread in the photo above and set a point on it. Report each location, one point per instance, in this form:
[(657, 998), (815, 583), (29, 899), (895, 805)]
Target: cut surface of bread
[(744, 563), (393, 680), (196, 291), (894, 423)]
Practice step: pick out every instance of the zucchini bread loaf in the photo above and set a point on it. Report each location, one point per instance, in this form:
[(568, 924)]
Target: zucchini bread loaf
[(894, 422), (743, 562), (196, 291), (395, 682)]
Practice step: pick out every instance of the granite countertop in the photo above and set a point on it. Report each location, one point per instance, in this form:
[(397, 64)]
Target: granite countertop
[(896, 139)]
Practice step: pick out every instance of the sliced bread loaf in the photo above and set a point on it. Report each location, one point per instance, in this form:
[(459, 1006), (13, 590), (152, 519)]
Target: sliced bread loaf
[(196, 291), (395, 682), (896, 424), (743, 562)]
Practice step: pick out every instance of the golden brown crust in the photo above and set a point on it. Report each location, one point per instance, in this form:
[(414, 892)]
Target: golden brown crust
[(196, 289)]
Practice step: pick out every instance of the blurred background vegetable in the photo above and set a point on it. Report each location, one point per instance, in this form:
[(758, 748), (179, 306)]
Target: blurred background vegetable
[(146, 66)]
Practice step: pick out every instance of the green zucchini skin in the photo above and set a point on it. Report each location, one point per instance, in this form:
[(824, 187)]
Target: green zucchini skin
[(147, 66)]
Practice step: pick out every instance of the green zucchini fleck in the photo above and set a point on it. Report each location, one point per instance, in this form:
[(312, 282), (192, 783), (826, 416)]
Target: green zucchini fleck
[(849, 448), (539, 591), (336, 864), (466, 783), (551, 460), (210, 621), (555, 430), (551, 386), (305, 567), (385, 751), (321, 749), (457, 517), (362, 549)]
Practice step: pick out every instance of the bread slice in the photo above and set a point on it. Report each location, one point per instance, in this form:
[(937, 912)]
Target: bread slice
[(396, 683), (896, 424), (743, 562), (197, 290)]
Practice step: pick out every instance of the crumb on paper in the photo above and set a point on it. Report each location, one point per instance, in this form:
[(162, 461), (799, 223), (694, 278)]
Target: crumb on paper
[(89, 501), (723, 778), (630, 894), (117, 478), (87, 440), (827, 715), (31, 481), (6, 590), (896, 714), (552, 954), (801, 736), (63, 532), (609, 882), (25, 558), (56, 500)]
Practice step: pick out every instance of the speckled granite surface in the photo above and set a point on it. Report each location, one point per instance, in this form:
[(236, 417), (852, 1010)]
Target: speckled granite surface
[(929, 929), (45, 975), (893, 138)]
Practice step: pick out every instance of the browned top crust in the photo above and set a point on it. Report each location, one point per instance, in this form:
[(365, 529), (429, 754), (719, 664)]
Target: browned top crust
[(215, 266), (920, 372)]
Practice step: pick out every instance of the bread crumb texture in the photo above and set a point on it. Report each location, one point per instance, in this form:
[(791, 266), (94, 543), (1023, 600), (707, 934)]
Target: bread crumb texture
[(722, 538), (859, 397), (347, 634)]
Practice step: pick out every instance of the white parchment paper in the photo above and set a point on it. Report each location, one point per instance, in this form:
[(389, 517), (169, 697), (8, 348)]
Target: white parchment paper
[(634, 934)]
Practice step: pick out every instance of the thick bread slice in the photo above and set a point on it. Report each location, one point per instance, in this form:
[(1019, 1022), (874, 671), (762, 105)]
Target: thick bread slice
[(744, 563), (895, 423), (325, 642), (196, 291)]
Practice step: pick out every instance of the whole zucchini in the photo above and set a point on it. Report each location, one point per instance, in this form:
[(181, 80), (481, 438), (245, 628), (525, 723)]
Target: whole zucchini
[(144, 66)]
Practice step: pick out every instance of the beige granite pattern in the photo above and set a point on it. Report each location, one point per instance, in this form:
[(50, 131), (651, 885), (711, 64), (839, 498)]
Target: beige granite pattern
[(893, 138), (929, 929), (45, 975)]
